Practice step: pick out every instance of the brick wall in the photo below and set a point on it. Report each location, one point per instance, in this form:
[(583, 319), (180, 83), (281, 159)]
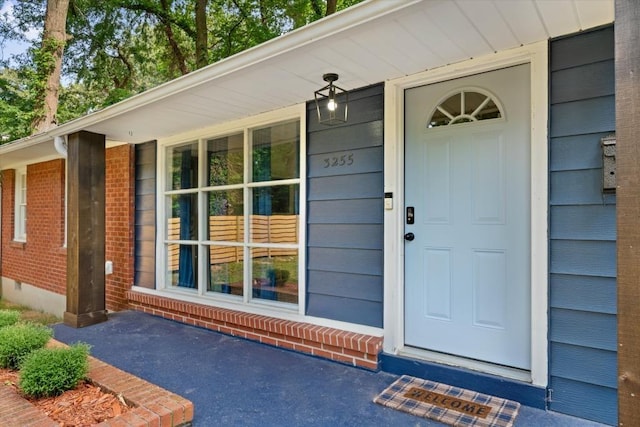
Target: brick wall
[(119, 224), (41, 261)]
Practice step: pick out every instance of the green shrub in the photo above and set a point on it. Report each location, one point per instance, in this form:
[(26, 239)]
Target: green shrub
[(20, 339), (9, 317), (52, 371)]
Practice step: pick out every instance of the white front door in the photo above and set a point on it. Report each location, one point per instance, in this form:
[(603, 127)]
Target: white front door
[(467, 208)]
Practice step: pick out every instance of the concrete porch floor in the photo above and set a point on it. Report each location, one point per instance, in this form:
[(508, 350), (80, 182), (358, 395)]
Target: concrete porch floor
[(232, 381)]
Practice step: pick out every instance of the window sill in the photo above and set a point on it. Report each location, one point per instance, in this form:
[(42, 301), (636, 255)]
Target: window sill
[(18, 244)]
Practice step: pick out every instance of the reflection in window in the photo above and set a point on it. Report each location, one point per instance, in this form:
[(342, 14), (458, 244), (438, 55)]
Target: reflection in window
[(226, 269), (275, 214), (182, 265), (226, 215), (225, 160), (275, 152), (274, 274), (464, 107), (183, 166), (182, 225)]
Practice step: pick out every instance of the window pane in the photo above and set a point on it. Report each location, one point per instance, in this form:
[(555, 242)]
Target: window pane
[(182, 162), (452, 105), (226, 269), (275, 152), (275, 214), (438, 119), (182, 223), (226, 215), (182, 263), (489, 111), (274, 274), (225, 160)]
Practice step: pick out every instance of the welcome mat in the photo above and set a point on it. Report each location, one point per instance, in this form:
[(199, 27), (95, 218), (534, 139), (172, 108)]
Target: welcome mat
[(447, 404)]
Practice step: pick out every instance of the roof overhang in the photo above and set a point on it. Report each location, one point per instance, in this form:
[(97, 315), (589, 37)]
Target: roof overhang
[(372, 42)]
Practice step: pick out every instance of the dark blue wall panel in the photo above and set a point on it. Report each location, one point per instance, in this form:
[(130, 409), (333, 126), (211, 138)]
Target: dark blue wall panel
[(582, 49), (585, 116), (355, 261), (354, 236), (359, 135), (345, 212), (145, 215), (591, 222), (583, 257), (589, 81), (576, 152), (343, 187), (356, 286), (352, 310), (580, 187), (583, 400), (583, 327), (585, 293), (589, 365)]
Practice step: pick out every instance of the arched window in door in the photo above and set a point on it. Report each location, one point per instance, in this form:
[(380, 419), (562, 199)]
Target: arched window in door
[(465, 106)]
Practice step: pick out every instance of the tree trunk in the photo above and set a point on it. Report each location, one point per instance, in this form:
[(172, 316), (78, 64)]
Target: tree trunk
[(49, 65), (179, 57), (202, 54), (331, 7)]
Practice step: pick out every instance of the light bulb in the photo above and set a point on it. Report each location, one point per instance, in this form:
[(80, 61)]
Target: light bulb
[(332, 105)]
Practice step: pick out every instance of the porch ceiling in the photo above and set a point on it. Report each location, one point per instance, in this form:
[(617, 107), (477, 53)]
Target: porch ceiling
[(375, 41)]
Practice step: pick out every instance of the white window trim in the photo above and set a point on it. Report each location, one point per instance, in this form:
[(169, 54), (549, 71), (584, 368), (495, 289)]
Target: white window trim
[(297, 112), (537, 55), (19, 221)]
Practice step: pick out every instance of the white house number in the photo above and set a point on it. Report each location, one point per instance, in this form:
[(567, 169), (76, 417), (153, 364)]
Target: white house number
[(333, 162)]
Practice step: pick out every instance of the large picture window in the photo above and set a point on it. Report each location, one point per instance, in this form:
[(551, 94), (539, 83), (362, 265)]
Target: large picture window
[(232, 214)]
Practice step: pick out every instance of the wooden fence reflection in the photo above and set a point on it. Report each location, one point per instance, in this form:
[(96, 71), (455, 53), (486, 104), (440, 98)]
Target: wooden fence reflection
[(264, 229)]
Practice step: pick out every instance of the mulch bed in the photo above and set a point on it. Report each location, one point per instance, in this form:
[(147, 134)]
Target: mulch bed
[(85, 405)]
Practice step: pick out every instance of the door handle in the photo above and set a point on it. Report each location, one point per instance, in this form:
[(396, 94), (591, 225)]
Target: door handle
[(409, 236)]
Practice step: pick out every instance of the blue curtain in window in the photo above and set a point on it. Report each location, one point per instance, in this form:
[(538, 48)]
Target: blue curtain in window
[(186, 277), (262, 171)]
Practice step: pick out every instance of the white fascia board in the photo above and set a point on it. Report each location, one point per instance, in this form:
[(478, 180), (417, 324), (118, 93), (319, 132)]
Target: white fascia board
[(327, 27)]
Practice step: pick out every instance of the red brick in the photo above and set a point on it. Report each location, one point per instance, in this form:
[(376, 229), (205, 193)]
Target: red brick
[(332, 348), (373, 366), (343, 358), (152, 419)]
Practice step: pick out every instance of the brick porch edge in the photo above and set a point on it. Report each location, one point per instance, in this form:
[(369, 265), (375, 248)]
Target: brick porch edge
[(345, 347), (152, 406)]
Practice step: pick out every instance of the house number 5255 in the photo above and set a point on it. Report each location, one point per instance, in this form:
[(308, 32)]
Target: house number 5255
[(344, 160)]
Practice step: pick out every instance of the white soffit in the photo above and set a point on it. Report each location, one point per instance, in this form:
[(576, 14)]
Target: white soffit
[(374, 41)]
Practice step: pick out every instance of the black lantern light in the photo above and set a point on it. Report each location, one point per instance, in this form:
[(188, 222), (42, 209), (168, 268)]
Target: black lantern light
[(331, 102)]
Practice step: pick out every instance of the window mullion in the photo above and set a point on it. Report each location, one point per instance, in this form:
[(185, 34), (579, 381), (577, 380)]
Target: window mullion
[(248, 208), (203, 220)]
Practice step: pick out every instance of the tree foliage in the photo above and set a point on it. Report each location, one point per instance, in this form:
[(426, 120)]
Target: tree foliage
[(117, 48)]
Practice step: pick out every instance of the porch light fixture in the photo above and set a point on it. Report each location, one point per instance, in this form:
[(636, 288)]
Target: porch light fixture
[(331, 102)]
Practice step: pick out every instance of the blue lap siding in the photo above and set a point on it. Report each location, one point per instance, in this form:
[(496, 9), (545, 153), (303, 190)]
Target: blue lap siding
[(583, 329), (145, 215), (345, 212)]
